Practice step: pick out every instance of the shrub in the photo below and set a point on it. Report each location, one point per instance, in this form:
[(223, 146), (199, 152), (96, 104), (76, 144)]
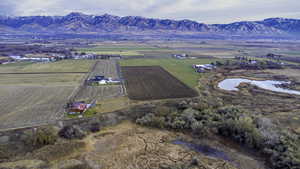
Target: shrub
[(230, 112), (244, 128), (241, 130), (286, 153), (188, 115), (268, 130), (72, 132), (95, 127), (178, 123), (146, 120), (201, 106), (44, 136), (199, 129), (163, 110)]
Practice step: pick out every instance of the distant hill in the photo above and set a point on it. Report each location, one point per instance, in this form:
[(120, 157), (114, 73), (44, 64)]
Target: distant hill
[(80, 23)]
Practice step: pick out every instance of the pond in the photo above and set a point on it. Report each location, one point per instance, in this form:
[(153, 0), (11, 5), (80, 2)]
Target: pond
[(233, 83)]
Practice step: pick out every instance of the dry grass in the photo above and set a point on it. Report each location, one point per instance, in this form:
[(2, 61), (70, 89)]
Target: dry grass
[(110, 105), (28, 163), (40, 79), (31, 105), (60, 66), (291, 73), (59, 151), (108, 68), (90, 93), (129, 146)]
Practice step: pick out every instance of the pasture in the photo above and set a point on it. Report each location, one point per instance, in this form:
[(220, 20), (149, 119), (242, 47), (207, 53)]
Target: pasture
[(116, 50), (128, 50), (60, 66), (153, 82), (231, 48)]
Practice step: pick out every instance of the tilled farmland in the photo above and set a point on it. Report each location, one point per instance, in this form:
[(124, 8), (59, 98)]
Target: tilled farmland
[(33, 99), (25, 106), (107, 68), (153, 82), (90, 93)]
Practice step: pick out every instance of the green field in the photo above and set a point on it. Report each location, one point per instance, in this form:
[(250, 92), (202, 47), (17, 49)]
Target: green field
[(60, 66), (182, 69), (120, 50)]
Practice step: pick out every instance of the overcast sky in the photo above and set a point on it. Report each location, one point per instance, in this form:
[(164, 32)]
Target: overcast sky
[(207, 11)]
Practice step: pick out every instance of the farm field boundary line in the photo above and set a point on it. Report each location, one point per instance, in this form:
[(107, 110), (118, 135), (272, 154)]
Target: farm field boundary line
[(108, 68), (33, 73), (27, 126), (153, 83), (82, 83), (121, 77)]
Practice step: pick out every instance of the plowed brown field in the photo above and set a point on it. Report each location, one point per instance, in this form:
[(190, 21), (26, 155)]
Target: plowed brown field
[(153, 82)]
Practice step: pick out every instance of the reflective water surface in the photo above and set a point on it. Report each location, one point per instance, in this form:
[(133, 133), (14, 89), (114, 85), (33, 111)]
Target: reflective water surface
[(232, 84)]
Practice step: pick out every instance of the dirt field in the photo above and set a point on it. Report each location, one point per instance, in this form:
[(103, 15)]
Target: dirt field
[(89, 93), (36, 98), (153, 82), (58, 79), (39, 98), (180, 68), (23, 106), (107, 68)]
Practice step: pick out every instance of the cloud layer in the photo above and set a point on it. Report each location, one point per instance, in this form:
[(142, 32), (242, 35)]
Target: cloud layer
[(208, 11)]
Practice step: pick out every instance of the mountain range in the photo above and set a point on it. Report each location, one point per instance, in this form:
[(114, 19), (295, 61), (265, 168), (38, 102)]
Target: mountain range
[(78, 23)]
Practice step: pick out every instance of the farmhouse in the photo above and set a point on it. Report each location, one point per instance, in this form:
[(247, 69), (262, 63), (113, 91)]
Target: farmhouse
[(180, 56), (203, 68), (246, 60), (33, 59), (77, 107), (101, 80), (5, 61)]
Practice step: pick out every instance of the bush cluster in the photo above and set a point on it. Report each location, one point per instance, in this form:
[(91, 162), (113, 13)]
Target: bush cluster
[(72, 132), (44, 136), (192, 119), (254, 132)]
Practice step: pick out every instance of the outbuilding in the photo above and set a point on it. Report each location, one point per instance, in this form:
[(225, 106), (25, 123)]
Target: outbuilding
[(78, 107)]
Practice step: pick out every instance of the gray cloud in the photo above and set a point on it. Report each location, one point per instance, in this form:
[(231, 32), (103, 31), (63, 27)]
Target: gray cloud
[(7, 7), (208, 11)]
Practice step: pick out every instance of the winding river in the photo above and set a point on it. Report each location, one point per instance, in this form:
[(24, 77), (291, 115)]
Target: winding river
[(233, 83)]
